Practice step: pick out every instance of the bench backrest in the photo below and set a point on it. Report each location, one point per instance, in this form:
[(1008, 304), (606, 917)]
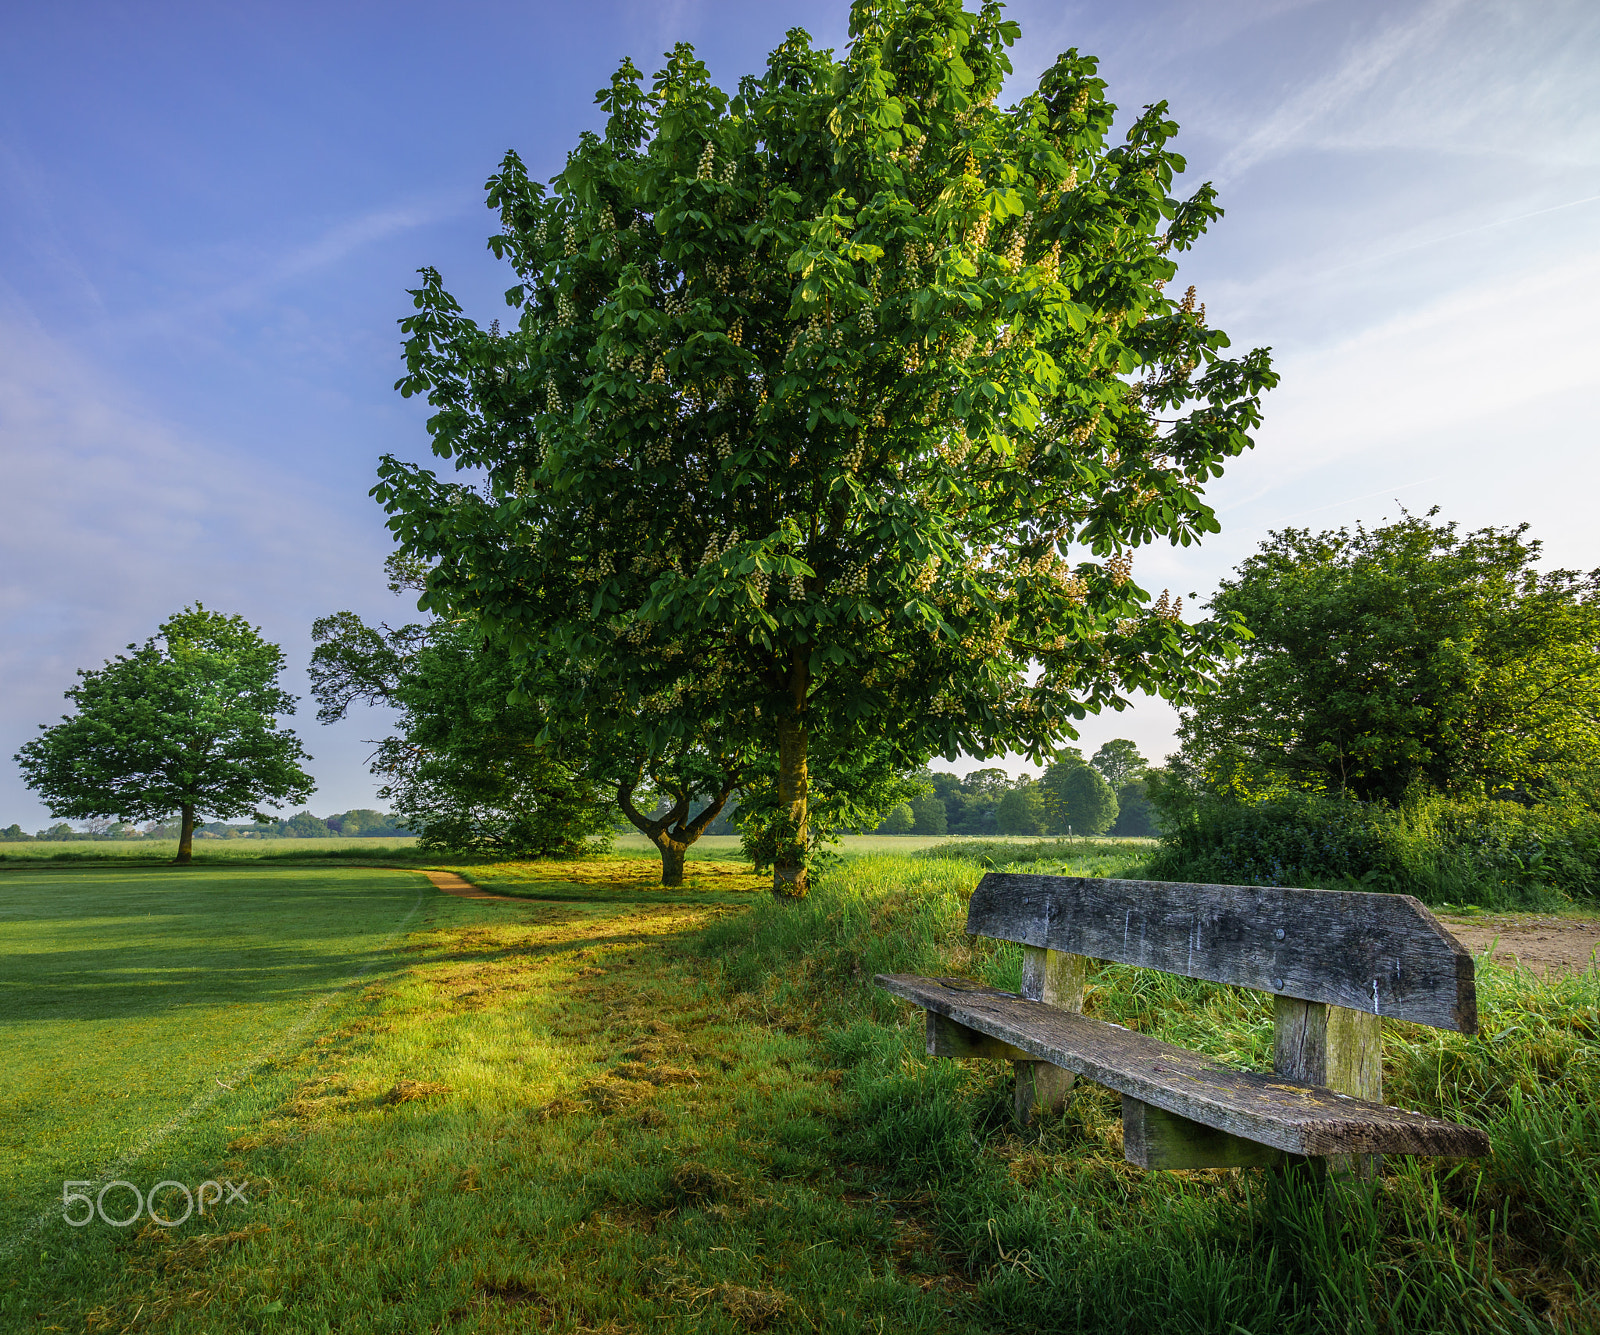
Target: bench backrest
[(1384, 954)]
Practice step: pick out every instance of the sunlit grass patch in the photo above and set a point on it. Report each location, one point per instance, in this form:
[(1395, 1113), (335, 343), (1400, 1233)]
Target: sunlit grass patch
[(625, 877), (1049, 857), (129, 995)]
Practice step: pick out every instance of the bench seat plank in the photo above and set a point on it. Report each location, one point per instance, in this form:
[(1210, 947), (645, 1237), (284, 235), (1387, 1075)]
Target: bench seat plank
[(1286, 1114)]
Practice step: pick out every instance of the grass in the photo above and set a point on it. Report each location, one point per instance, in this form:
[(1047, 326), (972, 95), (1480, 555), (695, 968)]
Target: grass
[(641, 1112), (1049, 857), (619, 879), (135, 993), (1059, 1232), (543, 1121)]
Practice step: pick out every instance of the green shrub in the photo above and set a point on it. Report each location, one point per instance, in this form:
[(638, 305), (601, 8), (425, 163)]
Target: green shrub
[(1494, 853), (900, 820), (1085, 854)]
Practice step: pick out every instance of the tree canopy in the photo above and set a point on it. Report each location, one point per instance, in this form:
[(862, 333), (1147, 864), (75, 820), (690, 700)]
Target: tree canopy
[(1076, 797), (184, 723), (1410, 654), (468, 769), (846, 397), (1119, 761), (1021, 810)]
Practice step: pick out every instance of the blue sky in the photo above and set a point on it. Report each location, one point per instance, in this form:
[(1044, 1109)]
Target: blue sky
[(209, 215)]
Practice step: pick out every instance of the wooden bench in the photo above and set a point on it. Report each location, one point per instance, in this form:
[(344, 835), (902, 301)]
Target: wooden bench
[(1335, 963)]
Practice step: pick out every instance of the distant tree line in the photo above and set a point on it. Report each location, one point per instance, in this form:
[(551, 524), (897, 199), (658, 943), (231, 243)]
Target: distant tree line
[(1106, 794), (361, 823)]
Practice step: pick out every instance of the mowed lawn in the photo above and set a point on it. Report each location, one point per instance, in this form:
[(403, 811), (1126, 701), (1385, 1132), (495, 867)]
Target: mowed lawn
[(128, 996)]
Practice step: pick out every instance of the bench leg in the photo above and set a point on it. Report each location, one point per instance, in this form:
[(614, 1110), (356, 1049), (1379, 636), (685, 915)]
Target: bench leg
[(1040, 1087), (1055, 978), (1155, 1138), (946, 1038), (1336, 1047)]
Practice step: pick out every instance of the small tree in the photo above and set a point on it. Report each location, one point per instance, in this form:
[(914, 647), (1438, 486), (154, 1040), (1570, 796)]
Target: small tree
[(1136, 816), (185, 723), (929, 814), (898, 821), (1078, 799), (1119, 762), (1021, 810), (1052, 792), (842, 400), (468, 770)]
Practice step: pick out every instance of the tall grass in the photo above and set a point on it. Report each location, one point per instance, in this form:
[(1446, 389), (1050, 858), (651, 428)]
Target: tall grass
[(1059, 1232), (1086, 857)]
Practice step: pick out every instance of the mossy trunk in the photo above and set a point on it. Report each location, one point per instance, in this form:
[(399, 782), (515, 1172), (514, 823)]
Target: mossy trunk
[(789, 876), (186, 837), (672, 851)]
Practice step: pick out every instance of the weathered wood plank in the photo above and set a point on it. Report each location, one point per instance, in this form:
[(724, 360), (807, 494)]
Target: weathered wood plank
[(1287, 1114), (1157, 1139), (1383, 954)]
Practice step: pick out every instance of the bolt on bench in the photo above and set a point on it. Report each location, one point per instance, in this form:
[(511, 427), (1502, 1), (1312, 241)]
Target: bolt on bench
[(1335, 961)]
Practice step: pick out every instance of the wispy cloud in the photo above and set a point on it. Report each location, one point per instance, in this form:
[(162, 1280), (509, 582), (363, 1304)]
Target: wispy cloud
[(37, 230), (259, 276), (1483, 384), (333, 246), (1320, 101)]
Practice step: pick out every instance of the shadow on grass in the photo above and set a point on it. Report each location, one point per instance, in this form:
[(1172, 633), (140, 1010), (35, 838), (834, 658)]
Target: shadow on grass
[(108, 943)]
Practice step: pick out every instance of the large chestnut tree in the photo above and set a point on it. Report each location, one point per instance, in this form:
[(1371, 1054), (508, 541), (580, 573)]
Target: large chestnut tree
[(839, 402)]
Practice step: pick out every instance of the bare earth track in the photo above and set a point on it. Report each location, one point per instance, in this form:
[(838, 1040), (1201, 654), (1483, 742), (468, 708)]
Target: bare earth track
[(1542, 945), (452, 884)]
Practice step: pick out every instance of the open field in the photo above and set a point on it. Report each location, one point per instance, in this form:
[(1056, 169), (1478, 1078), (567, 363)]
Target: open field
[(205, 850), (726, 846), (632, 844), (643, 1112)]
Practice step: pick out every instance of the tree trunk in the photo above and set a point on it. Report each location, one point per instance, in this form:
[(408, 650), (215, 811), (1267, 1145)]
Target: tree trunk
[(672, 852), (186, 837), (659, 832), (789, 878)]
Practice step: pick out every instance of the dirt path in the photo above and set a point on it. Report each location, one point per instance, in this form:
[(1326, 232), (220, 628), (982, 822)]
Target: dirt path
[(452, 884), (1543, 945)]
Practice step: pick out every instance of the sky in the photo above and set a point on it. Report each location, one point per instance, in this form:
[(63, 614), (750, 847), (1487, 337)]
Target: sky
[(210, 215)]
